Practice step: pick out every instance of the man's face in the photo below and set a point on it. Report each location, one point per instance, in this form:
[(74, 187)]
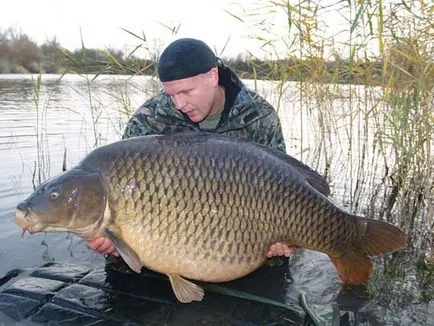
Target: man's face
[(194, 96)]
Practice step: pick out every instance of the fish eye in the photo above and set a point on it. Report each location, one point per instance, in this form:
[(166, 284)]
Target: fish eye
[(54, 194)]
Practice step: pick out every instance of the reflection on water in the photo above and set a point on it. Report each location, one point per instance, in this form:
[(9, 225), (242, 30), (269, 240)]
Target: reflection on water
[(76, 113), (36, 128)]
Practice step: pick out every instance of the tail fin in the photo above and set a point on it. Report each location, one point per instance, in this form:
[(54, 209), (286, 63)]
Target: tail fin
[(376, 238)]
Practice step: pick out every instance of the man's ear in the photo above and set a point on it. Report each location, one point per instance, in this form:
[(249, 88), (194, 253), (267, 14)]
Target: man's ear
[(214, 76)]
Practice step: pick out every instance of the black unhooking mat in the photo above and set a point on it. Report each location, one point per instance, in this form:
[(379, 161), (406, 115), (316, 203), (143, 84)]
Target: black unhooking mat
[(57, 294)]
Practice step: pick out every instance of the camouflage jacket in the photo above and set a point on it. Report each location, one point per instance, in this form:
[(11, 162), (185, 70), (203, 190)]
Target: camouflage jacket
[(249, 117)]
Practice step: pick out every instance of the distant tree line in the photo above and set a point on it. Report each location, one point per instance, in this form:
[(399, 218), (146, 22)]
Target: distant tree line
[(312, 69), (20, 54)]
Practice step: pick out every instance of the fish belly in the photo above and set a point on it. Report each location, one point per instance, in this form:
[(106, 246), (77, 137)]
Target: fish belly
[(210, 261)]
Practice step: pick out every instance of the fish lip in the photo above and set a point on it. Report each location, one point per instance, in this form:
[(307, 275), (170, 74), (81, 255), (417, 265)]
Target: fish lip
[(25, 219), (29, 222)]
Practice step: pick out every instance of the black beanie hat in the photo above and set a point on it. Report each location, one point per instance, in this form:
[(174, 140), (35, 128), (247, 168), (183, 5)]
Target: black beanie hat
[(185, 58)]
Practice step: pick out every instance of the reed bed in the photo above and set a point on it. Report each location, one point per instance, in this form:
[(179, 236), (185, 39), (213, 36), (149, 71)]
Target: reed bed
[(368, 100)]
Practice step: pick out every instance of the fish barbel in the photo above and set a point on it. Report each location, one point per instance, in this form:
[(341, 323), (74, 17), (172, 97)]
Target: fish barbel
[(203, 207)]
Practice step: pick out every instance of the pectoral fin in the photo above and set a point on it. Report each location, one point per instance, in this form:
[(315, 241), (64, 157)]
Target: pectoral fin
[(184, 290), (128, 254)]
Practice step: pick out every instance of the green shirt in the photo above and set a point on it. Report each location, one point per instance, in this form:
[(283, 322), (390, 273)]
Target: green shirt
[(211, 122)]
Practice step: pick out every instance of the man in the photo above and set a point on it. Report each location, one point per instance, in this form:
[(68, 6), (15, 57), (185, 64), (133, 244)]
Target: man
[(202, 94)]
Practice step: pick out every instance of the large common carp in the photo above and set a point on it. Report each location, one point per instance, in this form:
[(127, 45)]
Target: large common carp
[(205, 207)]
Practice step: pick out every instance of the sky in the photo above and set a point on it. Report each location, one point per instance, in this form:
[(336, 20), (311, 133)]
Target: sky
[(100, 23)]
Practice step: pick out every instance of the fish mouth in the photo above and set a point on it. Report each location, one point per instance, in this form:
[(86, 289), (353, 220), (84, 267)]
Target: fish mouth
[(26, 220)]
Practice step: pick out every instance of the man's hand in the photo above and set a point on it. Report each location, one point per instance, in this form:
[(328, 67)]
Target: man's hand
[(280, 249), (103, 246)]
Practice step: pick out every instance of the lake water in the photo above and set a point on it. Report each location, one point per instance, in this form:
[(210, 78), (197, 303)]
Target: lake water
[(75, 114)]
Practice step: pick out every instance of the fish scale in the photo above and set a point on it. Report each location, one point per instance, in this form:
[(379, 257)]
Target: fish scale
[(205, 207)]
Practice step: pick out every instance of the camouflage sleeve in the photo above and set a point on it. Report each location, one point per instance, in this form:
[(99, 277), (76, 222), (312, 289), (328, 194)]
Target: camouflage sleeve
[(271, 132), (156, 116), (136, 127), (138, 124)]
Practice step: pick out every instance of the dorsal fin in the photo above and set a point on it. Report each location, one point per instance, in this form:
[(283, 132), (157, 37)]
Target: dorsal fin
[(312, 177), (315, 179)]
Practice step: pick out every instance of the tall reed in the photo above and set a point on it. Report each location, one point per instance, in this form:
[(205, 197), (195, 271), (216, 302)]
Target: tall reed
[(107, 67), (42, 163), (366, 96)]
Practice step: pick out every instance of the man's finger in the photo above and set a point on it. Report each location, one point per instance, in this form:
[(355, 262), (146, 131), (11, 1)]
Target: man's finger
[(95, 243), (288, 251), (103, 246), (280, 249)]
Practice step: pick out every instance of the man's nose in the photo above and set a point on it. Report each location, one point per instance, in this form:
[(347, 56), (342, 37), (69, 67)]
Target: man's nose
[(180, 101)]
